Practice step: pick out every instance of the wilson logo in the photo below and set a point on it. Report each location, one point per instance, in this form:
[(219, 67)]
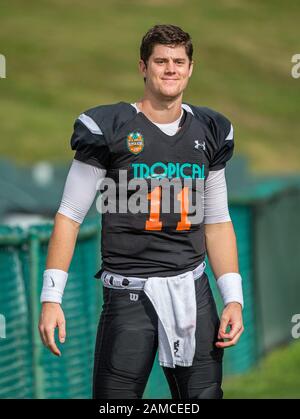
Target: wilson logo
[(134, 297)]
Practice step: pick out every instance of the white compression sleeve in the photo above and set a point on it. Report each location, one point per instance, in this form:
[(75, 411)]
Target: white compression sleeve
[(79, 194), (215, 198), (80, 190)]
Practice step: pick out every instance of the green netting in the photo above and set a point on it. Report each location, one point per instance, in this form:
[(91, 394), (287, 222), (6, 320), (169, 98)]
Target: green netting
[(16, 372), (27, 369), (277, 266)]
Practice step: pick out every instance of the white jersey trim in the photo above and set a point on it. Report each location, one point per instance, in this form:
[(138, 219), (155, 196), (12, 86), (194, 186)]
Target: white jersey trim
[(90, 124)]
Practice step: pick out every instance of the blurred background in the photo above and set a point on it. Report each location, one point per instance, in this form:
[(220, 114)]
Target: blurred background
[(65, 56)]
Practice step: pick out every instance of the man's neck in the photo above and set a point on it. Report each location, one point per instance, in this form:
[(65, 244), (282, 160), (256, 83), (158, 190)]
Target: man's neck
[(160, 112)]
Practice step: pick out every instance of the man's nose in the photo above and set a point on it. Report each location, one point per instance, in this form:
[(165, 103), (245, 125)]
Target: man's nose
[(170, 67)]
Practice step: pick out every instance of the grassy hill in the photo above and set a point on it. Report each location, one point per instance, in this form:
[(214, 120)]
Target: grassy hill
[(65, 56), (276, 376)]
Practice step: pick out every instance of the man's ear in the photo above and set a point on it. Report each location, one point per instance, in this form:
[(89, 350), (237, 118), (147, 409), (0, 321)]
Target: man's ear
[(142, 68), (191, 68)]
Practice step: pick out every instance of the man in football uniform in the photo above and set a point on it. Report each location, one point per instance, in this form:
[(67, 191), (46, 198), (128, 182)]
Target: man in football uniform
[(156, 292)]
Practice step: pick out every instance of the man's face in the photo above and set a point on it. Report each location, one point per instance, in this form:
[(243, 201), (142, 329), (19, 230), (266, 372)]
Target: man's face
[(168, 71)]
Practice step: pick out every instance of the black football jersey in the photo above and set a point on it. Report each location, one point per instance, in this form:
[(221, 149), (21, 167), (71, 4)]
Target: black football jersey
[(120, 139)]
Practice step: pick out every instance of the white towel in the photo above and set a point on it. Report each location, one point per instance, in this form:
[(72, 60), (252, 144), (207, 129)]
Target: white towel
[(174, 300)]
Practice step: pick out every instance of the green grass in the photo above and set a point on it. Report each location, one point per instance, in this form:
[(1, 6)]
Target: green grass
[(65, 56), (276, 376)]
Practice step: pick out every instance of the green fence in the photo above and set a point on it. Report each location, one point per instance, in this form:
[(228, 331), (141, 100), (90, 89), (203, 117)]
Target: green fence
[(277, 266), (267, 234), (27, 369)]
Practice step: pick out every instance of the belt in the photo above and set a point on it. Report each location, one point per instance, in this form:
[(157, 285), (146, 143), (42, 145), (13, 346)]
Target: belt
[(113, 280)]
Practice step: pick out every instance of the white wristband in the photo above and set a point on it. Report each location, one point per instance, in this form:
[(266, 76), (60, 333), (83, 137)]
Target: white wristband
[(230, 287), (53, 286)]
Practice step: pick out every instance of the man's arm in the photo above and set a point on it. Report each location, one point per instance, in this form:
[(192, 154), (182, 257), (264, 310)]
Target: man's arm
[(223, 258), (60, 252), (79, 193), (62, 243), (221, 248)]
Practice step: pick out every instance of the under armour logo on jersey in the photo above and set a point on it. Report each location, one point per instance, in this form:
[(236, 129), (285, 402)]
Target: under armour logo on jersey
[(133, 297), (197, 145)]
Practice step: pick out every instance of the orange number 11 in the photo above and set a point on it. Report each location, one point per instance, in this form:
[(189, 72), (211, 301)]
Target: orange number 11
[(154, 223)]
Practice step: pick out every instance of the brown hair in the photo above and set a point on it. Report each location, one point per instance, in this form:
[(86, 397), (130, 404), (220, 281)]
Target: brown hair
[(165, 35)]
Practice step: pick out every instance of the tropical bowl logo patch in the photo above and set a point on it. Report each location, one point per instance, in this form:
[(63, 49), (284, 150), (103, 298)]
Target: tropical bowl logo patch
[(135, 142)]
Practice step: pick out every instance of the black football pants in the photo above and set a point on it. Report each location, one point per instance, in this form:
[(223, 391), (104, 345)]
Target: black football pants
[(127, 341)]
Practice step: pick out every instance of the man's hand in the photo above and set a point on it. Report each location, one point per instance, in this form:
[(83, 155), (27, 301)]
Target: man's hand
[(231, 316), (51, 317)]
